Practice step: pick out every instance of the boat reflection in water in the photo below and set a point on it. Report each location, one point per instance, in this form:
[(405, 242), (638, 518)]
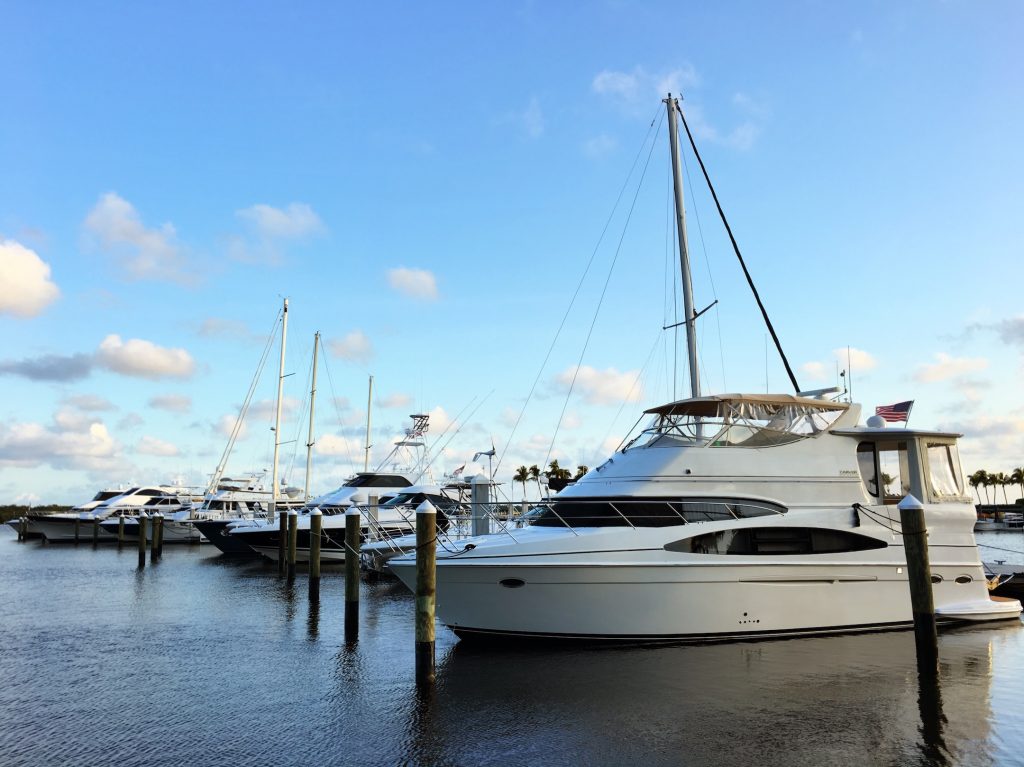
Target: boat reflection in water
[(855, 699)]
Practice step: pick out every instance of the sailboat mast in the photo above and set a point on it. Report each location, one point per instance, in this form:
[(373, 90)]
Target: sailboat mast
[(312, 407), (277, 418), (369, 406), (684, 255)]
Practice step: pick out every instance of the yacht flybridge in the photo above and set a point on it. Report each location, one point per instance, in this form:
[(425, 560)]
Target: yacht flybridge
[(732, 516)]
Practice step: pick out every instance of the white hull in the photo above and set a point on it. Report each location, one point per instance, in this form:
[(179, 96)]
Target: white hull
[(62, 530), (174, 531), (702, 603)]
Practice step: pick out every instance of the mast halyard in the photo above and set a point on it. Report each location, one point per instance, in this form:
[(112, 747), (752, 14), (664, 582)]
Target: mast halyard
[(312, 407), (684, 257), (277, 418)]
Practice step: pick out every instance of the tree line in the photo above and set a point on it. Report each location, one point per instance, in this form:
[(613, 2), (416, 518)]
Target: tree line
[(995, 480), (557, 476)]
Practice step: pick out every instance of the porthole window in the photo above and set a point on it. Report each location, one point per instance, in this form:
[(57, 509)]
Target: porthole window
[(964, 579), (936, 578)]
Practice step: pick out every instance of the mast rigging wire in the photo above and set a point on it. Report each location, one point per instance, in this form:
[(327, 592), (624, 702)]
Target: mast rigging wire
[(579, 285), (736, 248), (604, 291)]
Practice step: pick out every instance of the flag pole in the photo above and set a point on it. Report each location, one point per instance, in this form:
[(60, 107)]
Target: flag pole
[(906, 423)]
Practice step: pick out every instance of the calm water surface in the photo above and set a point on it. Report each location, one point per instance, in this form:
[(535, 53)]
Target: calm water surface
[(201, 660)]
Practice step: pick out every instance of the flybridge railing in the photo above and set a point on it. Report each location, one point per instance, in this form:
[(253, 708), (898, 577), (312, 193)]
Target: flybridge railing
[(572, 513)]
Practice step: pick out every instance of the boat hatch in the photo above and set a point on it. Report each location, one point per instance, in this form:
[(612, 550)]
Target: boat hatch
[(738, 420)]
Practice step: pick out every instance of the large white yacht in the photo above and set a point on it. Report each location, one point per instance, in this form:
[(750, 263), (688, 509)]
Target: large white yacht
[(733, 516), (126, 503)]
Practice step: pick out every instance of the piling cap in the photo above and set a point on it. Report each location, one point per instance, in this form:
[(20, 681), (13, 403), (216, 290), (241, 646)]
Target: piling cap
[(909, 503), (143, 515), (316, 513), (293, 513), (426, 508), (352, 511)]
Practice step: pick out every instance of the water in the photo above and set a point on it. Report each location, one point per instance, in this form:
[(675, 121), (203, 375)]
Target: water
[(200, 660)]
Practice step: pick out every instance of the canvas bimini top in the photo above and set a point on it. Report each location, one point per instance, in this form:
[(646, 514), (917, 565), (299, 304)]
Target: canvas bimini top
[(738, 420)]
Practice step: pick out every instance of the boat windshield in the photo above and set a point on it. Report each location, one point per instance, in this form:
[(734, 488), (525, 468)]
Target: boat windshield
[(738, 422)]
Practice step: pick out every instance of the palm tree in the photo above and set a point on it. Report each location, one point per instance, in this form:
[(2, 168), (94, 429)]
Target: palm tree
[(522, 475), (581, 470), (980, 479), (1002, 480), (1017, 478), (976, 479)]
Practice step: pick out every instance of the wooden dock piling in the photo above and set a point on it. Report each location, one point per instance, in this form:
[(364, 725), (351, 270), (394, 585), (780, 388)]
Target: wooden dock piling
[(142, 540), (915, 545), (282, 541), (353, 520), (293, 541), (78, 528), (426, 591), (156, 538), (120, 531), (23, 529), (95, 532), (316, 518)]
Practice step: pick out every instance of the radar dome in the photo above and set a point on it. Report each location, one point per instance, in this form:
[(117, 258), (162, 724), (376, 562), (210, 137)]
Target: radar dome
[(876, 422)]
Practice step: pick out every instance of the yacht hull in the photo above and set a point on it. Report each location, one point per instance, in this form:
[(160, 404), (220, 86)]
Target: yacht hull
[(682, 603), (174, 531), (61, 529), (214, 531)]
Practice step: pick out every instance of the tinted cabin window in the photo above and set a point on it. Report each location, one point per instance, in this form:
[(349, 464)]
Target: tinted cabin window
[(379, 480), (627, 512), (776, 541), (868, 469)]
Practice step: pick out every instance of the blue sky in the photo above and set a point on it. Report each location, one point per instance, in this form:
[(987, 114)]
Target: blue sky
[(427, 182)]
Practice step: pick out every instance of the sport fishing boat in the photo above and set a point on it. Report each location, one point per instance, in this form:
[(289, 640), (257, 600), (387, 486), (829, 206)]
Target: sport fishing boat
[(734, 516), (391, 478)]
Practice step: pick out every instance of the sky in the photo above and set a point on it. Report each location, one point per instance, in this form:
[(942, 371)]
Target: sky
[(471, 202)]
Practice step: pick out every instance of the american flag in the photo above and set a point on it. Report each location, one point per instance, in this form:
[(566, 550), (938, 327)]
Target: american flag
[(898, 412)]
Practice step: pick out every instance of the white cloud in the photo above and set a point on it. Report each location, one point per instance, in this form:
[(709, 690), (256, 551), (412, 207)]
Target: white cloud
[(293, 222), (354, 346), (860, 360), (439, 420), (266, 409), (395, 400), (69, 419), (857, 359), (29, 445), (172, 403), (599, 146), (948, 367), (415, 283), (335, 444), (153, 446), (25, 285), (144, 359), (90, 402), (571, 421), (816, 371), (226, 424), (639, 88), (147, 254), (603, 387), (130, 421)]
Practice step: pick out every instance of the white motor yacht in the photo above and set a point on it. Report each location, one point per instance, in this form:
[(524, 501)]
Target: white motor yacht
[(127, 503), (736, 516)]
